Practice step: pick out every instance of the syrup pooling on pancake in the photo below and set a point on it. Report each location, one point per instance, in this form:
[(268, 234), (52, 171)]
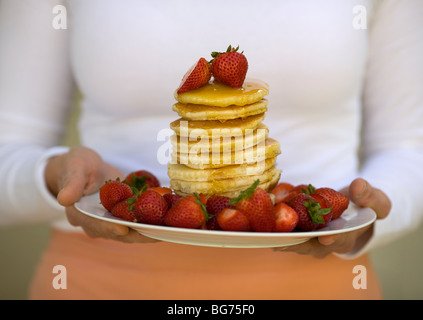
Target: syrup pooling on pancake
[(218, 95)]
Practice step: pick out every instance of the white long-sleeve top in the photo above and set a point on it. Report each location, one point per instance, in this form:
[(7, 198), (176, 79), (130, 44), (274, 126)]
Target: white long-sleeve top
[(345, 77)]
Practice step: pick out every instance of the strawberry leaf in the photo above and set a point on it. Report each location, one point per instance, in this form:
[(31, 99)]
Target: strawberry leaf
[(245, 194), (310, 189), (315, 211), (138, 182), (214, 54), (203, 207), (131, 200), (134, 190)]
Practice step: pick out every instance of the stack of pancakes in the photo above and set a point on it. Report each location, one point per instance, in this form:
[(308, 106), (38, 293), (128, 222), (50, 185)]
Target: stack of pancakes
[(220, 145)]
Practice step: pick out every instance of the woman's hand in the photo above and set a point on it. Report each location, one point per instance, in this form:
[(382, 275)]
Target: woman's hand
[(80, 172), (362, 194)]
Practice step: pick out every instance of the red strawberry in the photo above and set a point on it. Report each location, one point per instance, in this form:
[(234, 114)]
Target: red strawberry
[(187, 212), (324, 204), (124, 210), (286, 218), (150, 207), (296, 190), (310, 211), (212, 224), (216, 204), (161, 190), (112, 192), (281, 191), (339, 201), (171, 198), (257, 205), (201, 197), (230, 67), (141, 179), (197, 76), (233, 220)]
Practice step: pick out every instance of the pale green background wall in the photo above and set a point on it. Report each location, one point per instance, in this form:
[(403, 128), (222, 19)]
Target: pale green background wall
[(399, 264)]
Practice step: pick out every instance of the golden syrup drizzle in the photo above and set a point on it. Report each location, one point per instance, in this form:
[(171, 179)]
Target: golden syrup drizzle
[(221, 95)]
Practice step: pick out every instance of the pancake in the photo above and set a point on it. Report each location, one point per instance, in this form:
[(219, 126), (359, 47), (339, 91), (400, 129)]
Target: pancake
[(270, 148), (182, 172), (218, 95), (224, 185), (210, 128), (220, 144), (267, 185), (202, 112)]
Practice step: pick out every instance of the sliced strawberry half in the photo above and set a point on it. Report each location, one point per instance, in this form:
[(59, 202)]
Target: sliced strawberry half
[(197, 76)]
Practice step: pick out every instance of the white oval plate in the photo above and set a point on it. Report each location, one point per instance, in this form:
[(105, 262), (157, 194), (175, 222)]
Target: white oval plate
[(352, 219)]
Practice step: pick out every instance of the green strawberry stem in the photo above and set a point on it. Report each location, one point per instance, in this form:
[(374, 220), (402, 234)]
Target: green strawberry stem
[(245, 194), (214, 54), (131, 202), (203, 207), (315, 211), (310, 189)]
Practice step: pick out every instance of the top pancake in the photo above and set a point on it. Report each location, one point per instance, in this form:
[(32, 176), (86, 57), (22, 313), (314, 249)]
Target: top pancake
[(202, 112), (219, 95)]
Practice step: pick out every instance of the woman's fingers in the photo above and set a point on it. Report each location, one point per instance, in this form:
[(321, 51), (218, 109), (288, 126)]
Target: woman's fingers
[(364, 195), (96, 228)]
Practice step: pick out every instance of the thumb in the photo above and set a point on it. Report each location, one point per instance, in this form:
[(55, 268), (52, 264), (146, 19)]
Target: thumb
[(72, 188), (78, 182), (364, 195)]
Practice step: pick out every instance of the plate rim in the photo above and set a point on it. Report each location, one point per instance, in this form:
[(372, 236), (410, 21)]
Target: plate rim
[(239, 234)]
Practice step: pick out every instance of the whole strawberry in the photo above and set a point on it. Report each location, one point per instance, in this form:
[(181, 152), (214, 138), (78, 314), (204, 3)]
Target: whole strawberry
[(142, 179), (324, 205), (339, 201), (300, 188), (188, 212), (150, 207), (310, 211), (216, 204), (124, 210), (197, 76), (113, 192), (257, 205), (171, 199), (230, 67)]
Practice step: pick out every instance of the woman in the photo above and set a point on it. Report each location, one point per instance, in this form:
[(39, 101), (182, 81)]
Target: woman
[(345, 104)]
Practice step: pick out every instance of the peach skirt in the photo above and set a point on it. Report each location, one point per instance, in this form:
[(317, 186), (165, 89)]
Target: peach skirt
[(105, 269)]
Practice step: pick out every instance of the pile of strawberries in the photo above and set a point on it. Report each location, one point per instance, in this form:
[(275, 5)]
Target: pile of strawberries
[(140, 198), (229, 68)]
